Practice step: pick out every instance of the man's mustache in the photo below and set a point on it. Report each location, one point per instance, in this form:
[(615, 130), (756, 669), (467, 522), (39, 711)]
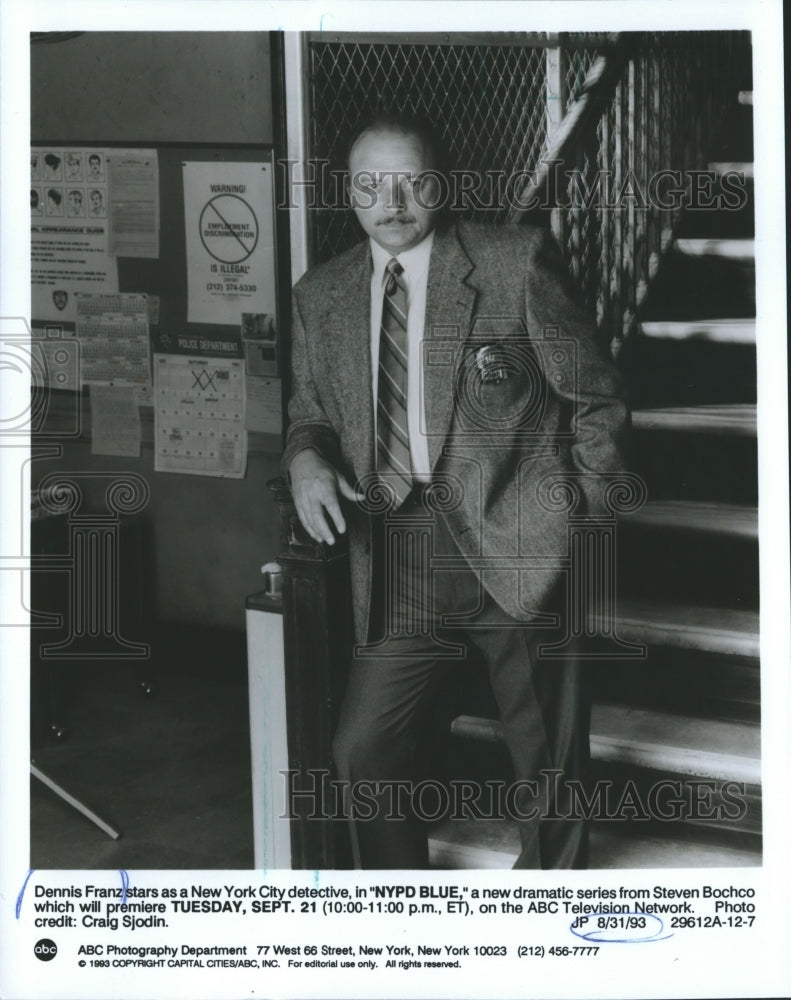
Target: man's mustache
[(396, 219)]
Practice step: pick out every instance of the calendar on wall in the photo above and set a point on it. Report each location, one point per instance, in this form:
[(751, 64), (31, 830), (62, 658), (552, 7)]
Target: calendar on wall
[(199, 408)]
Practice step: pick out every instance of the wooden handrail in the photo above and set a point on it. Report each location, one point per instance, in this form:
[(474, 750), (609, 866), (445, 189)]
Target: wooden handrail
[(598, 88)]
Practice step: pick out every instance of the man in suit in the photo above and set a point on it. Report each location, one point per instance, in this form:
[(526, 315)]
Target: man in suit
[(443, 381)]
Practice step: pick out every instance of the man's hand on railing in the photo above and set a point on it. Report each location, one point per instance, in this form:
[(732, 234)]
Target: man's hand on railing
[(316, 486)]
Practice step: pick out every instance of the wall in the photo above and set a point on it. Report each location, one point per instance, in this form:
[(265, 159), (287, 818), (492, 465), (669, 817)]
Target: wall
[(155, 86), (210, 536)]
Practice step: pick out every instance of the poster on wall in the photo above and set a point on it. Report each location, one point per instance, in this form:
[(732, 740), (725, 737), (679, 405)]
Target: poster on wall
[(69, 230), (133, 178), (230, 241)]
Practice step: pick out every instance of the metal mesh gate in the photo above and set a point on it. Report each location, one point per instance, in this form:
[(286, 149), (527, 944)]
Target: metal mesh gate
[(488, 98)]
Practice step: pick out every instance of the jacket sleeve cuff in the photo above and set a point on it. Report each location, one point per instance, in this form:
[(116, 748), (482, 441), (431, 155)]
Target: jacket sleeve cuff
[(317, 436)]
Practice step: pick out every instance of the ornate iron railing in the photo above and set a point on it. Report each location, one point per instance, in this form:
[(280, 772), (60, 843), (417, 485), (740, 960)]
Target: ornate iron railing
[(621, 167)]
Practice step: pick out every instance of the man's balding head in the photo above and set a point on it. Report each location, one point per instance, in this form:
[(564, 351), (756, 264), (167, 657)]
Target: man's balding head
[(394, 180), (428, 136)]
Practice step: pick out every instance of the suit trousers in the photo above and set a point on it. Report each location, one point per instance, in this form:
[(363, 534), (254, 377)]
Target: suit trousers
[(544, 709)]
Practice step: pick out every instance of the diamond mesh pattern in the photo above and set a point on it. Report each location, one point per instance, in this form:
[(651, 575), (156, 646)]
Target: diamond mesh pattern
[(662, 115), (489, 101), (578, 61)]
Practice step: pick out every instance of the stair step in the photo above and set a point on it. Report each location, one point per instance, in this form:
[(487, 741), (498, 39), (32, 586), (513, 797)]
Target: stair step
[(479, 843), (725, 210), (710, 748), (678, 679), (695, 451), (682, 364), (734, 140), (705, 561), (719, 331), (735, 419), (736, 520), (707, 277), (745, 167), (658, 741), (738, 250), (709, 630), (476, 727), (494, 844)]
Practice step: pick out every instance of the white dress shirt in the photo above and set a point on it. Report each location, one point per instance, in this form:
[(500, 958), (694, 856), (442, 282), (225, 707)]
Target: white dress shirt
[(415, 276)]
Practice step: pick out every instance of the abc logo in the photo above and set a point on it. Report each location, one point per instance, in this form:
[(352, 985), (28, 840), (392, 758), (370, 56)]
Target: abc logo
[(45, 950)]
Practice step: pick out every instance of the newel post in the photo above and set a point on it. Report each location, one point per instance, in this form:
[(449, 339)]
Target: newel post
[(317, 639)]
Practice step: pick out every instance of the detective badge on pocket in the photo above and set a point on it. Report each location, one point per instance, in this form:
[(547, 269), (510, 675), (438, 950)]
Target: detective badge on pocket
[(492, 362)]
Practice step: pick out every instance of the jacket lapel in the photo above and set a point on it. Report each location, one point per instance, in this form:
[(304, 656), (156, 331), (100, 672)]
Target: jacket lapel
[(347, 321), (449, 308)]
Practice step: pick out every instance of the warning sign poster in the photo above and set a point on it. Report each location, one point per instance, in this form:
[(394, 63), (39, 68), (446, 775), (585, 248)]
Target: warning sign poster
[(230, 241)]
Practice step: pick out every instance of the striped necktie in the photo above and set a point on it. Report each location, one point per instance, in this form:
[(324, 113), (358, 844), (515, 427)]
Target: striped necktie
[(392, 435)]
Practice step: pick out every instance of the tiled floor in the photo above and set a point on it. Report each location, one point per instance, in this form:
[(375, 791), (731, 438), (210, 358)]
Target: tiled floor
[(171, 770)]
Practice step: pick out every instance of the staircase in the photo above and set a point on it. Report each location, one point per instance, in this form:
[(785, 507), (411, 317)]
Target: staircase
[(688, 566)]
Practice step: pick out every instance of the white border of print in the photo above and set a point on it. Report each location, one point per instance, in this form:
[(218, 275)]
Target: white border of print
[(756, 967)]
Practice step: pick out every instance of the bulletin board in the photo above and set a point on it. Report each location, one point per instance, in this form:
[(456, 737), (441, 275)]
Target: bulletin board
[(183, 518), (166, 276), (190, 242)]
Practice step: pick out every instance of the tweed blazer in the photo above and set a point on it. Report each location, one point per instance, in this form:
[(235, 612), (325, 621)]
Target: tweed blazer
[(518, 395)]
